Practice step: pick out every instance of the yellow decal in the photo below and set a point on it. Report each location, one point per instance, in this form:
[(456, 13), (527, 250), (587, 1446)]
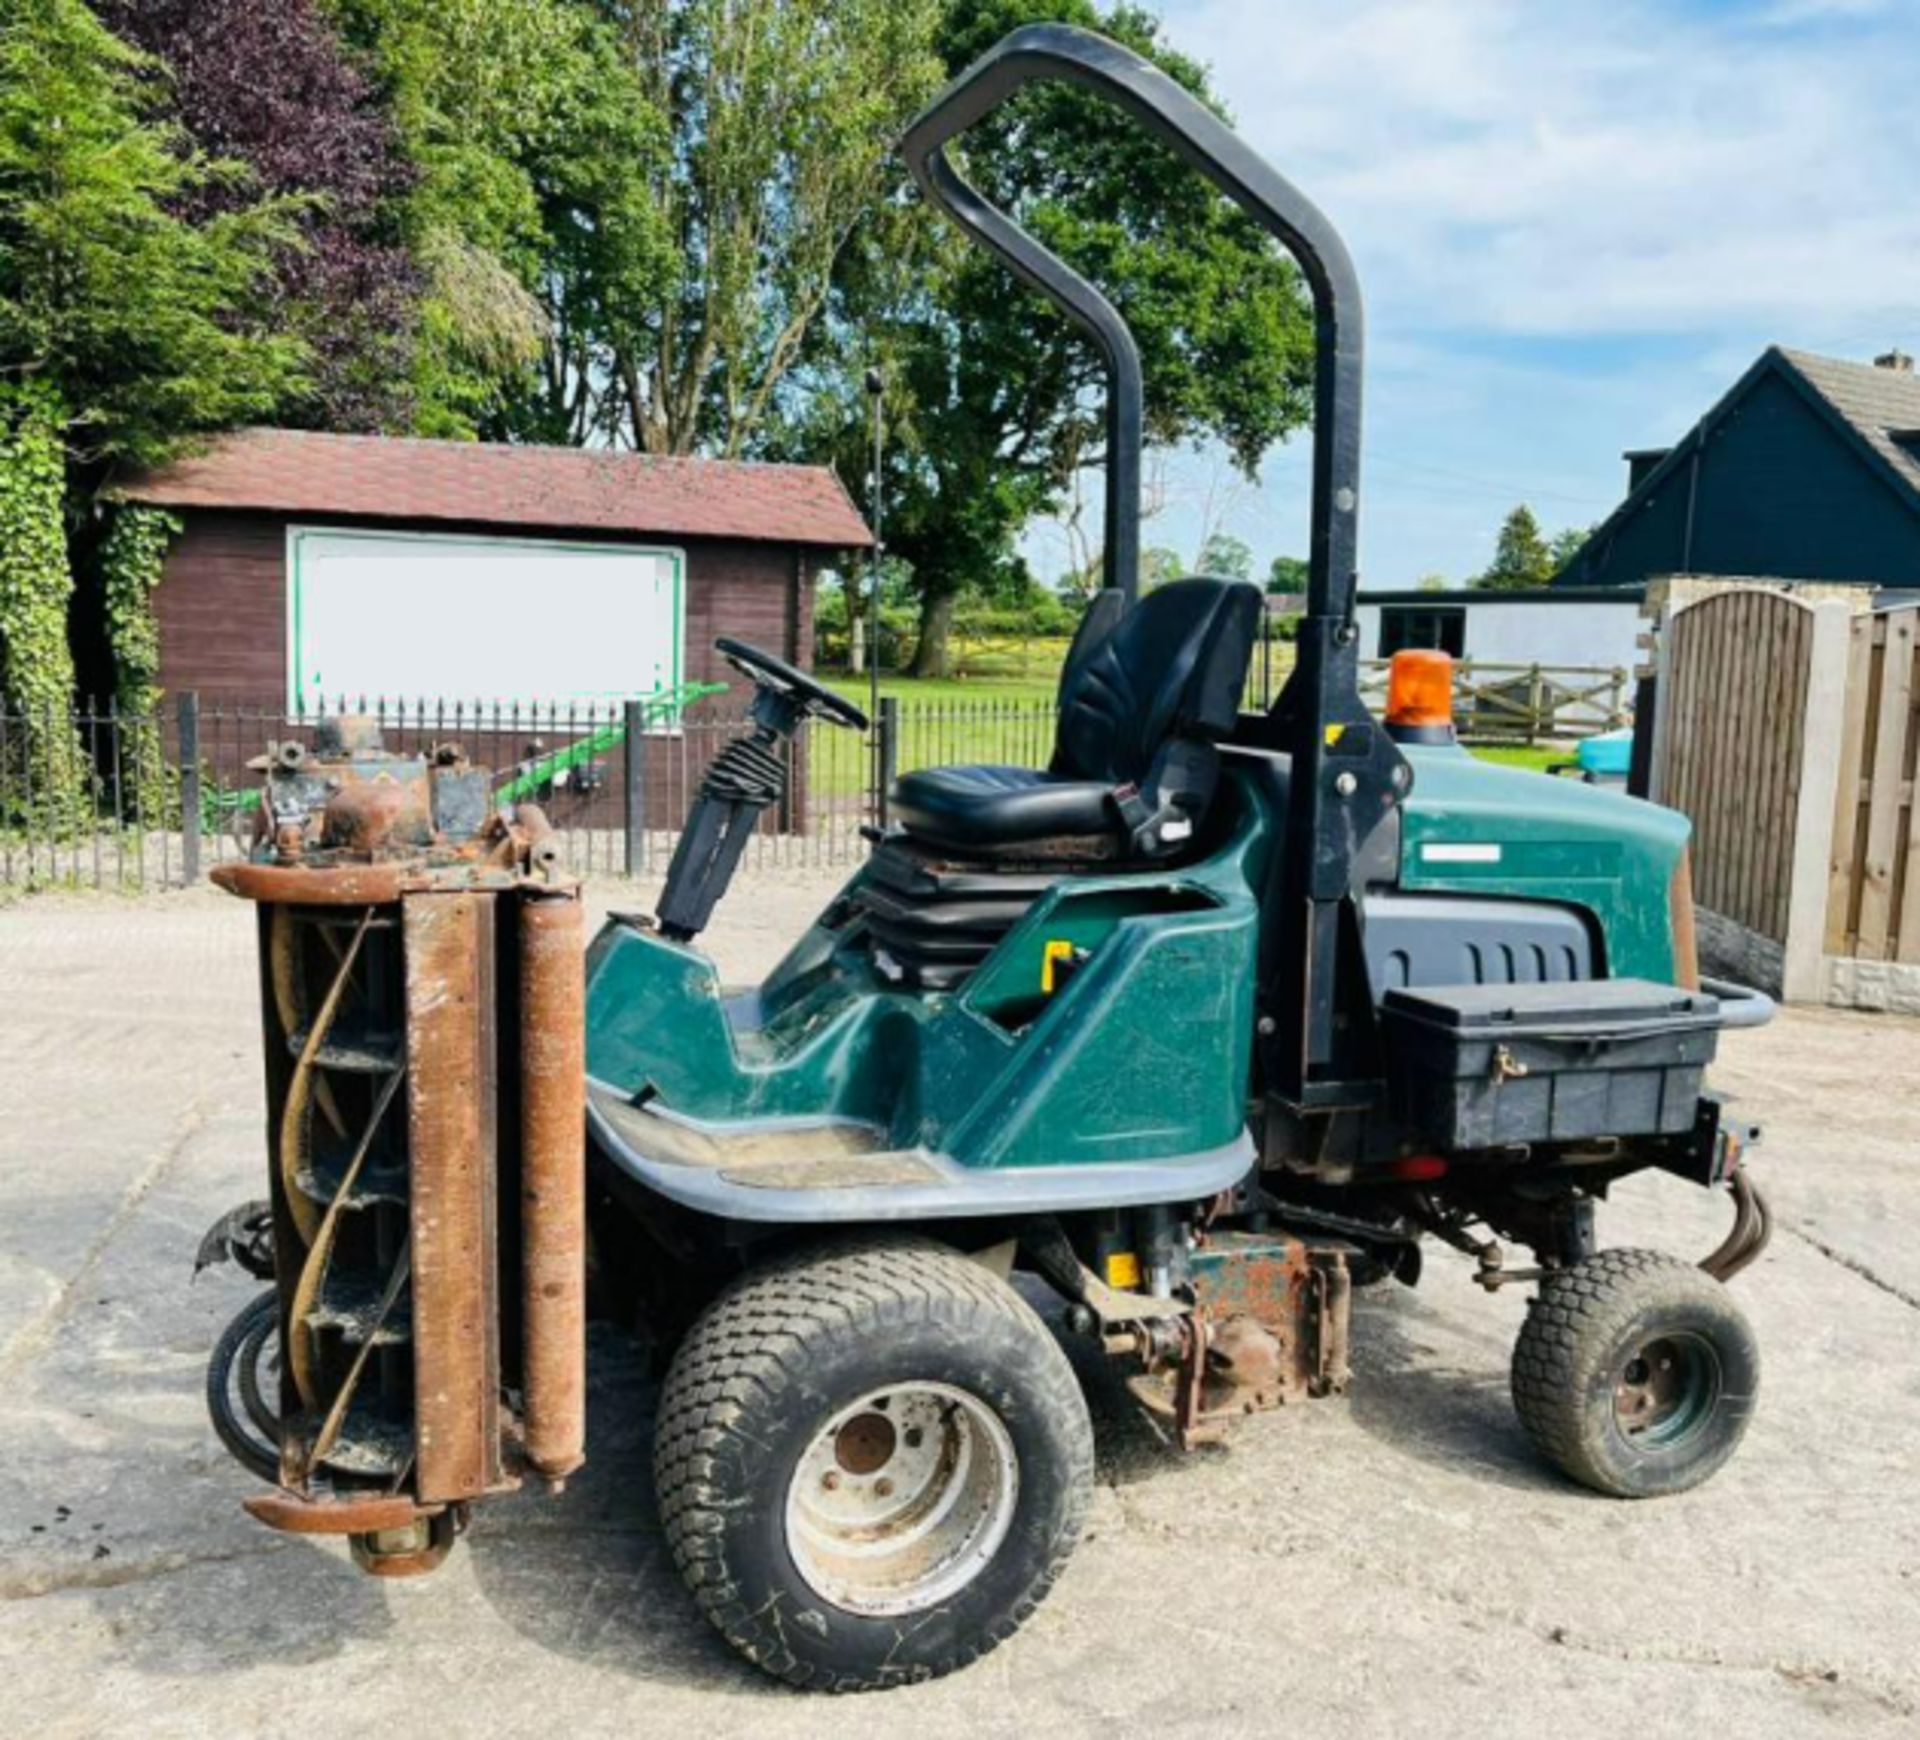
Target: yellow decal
[(1058, 949), (1123, 1269), (1334, 734)]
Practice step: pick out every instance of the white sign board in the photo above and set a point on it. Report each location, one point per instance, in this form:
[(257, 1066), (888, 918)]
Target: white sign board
[(497, 621)]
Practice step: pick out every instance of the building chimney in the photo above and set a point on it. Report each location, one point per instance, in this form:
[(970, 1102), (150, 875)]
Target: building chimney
[(1896, 360)]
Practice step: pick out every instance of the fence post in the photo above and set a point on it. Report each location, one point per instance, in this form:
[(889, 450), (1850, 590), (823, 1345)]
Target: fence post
[(1823, 726), (886, 755), (1536, 703), (635, 786), (1661, 664), (190, 787)]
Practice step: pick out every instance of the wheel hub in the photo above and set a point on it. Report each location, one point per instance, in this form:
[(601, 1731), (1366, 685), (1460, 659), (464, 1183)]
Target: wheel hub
[(901, 1499), (865, 1444), (1665, 1389)]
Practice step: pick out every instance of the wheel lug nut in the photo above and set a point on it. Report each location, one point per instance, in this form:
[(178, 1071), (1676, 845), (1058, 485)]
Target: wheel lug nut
[(884, 1488), (830, 1481), (914, 1436)]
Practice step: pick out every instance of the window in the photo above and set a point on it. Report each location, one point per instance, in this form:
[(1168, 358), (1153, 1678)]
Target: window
[(1443, 627)]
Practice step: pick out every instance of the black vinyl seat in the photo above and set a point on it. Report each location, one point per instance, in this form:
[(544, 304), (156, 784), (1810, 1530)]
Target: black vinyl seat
[(1145, 696)]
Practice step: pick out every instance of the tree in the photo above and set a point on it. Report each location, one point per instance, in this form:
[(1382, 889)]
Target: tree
[(533, 216), (994, 399), (1521, 557), (1287, 575), (1435, 582), (270, 87), (131, 319), (143, 321), (784, 114), (1224, 557), (1158, 565), (1568, 543)]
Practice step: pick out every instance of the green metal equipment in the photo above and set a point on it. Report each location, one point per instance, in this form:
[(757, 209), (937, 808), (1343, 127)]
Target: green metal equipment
[(1181, 1039)]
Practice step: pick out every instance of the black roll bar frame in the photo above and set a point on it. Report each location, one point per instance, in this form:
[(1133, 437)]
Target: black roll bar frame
[(1347, 775), (1066, 54)]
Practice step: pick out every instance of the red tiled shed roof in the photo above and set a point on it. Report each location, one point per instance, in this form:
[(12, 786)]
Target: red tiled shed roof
[(565, 488)]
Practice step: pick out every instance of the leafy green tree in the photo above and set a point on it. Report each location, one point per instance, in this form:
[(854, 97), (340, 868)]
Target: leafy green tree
[(993, 399), (1568, 543), (533, 214), (1287, 575), (140, 322), (784, 114), (1225, 557), (131, 320), (1521, 557), (1158, 565)]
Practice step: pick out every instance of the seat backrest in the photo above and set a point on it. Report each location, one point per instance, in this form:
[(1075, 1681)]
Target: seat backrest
[(1172, 666)]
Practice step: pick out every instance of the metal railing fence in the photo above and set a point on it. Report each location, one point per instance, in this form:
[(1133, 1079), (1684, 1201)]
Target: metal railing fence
[(101, 797)]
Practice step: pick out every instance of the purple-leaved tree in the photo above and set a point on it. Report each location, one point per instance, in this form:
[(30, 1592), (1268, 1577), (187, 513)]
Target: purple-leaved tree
[(269, 85)]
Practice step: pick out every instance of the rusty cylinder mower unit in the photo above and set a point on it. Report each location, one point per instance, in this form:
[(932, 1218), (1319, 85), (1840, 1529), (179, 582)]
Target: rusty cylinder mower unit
[(422, 989)]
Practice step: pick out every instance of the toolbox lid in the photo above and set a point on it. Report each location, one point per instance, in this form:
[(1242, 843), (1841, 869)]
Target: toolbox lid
[(1592, 1005)]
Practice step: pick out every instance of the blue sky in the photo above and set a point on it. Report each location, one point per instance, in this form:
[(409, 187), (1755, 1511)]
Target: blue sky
[(1576, 222)]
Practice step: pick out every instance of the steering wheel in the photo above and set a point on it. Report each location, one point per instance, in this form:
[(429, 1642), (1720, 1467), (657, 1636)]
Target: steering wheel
[(807, 693)]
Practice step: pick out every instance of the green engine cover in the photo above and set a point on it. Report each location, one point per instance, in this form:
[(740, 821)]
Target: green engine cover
[(1473, 828)]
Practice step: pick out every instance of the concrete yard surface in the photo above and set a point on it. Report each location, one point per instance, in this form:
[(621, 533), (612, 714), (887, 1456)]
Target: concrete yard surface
[(1394, 1562)]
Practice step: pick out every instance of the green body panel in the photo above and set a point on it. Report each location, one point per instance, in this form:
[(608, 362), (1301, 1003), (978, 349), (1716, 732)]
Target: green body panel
[(1143, 1052), (1558, 839)]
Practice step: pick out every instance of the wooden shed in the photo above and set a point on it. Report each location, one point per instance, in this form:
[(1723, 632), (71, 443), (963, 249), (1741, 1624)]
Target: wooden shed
[(314, 565)]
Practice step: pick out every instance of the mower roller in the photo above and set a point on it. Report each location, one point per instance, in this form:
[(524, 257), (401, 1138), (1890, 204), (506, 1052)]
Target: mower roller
[(1180, 1039)]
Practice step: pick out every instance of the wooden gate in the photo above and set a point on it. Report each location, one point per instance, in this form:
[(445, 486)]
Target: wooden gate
[(1789, 731), (1730, 747)]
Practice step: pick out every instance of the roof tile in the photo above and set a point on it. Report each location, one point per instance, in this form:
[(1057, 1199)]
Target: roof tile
[(563, 488), (1880, 403)]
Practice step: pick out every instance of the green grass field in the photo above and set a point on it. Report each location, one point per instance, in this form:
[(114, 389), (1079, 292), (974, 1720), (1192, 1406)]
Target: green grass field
[(1537, 757), (1002, 719)]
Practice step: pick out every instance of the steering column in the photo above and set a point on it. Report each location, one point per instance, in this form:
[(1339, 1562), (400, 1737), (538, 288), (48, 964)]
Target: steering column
[(744, 779)]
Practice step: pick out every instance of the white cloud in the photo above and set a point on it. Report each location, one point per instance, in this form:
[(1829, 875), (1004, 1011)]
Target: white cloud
[(1576, 223), (1588, 169)]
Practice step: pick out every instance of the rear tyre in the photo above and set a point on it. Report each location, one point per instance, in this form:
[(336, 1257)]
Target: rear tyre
[(872, 1463), (242, 1371), (1635, 1373)]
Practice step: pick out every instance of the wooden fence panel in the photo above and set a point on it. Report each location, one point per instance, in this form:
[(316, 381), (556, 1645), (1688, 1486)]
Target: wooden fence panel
[(1873, 881), (1907, 890), (1738, 667), (1849, 821)]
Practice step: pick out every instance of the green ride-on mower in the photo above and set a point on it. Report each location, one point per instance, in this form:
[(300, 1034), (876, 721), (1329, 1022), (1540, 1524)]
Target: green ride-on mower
[(1209, 1022)]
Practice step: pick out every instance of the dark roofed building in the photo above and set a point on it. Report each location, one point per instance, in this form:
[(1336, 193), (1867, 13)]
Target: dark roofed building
[(313, 565), (1808, 469)]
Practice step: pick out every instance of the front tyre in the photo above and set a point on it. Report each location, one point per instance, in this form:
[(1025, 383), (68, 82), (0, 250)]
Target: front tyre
[(1635, 1373), (871, 1464)]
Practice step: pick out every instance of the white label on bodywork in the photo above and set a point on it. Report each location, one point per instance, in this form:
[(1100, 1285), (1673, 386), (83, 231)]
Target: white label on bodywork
[(1463, 853)]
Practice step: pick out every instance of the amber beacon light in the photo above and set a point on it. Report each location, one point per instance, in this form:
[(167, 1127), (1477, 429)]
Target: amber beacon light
[(1420, 697)]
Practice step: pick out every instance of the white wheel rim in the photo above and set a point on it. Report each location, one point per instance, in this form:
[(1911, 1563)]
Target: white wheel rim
[(902, 1498)]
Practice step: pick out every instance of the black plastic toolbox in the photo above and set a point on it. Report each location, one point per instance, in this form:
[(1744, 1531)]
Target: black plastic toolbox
[(1488, 1066)]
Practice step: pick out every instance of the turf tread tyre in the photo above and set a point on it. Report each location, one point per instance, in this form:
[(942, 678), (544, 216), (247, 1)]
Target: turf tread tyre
[(1578, 1327), (751, 1359), (239, 1345)]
